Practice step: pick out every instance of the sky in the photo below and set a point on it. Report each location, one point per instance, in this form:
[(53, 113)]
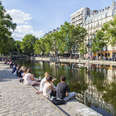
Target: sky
[(38, 17)]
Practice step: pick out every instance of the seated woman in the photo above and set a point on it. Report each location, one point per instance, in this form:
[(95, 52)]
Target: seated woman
[(48, 87), (29, 79), (43, 82), (21, 71)]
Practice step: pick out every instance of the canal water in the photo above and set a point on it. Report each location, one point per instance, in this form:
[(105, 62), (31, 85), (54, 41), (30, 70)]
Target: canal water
[(96, 83)]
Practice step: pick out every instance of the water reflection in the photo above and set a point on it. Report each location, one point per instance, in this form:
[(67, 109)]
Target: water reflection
[(97, 83), (103, 84)]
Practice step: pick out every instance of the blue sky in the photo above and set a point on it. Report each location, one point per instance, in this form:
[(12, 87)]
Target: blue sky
[(41, 16)]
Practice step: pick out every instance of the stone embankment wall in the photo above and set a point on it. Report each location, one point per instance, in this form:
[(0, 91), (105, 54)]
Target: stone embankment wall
[(19, 100), (68, 60)]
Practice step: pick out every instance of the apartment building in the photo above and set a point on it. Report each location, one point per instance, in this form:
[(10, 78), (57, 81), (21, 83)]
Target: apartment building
[(78, 17), (93, 20)]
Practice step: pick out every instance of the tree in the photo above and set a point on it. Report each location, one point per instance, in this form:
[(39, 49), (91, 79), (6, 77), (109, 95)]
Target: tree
[(27, 44), (74, 36), (106, 36), (17, 47), (109, 29), (40, 46), (60, 43), (79, 37), (98, 42), (6, 28), (50, 44), (62, 40), (56, 43)]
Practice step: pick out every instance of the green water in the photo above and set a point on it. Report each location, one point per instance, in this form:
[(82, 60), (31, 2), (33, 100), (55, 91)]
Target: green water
[(97, 83)]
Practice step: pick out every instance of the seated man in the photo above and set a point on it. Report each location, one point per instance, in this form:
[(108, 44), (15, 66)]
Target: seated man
[(62, 90)]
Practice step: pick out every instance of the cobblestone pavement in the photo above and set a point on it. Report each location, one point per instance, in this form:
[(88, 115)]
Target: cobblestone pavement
[(19, 100)]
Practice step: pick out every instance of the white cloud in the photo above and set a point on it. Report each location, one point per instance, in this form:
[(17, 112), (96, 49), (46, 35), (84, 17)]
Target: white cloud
[(23, 27), (22, 30), (19, 16)]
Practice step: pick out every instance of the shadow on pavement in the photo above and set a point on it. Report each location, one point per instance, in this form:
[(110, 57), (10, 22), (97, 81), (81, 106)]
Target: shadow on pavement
[(6, 75)]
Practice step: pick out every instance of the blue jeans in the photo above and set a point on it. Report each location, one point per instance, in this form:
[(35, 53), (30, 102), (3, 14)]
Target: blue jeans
[(70, 96)]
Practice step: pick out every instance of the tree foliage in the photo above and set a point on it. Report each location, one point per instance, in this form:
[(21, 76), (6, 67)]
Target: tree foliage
[(74, 36), (110, 31), (98, 42), (61, 41), (106, 36), (17, 47), (27, 44), (40, 46), (6, 29)]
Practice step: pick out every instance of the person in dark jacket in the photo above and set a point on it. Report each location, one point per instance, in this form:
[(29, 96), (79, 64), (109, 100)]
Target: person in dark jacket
[(63, 91)]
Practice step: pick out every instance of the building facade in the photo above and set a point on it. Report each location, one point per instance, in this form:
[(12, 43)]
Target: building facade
[(93, 20)]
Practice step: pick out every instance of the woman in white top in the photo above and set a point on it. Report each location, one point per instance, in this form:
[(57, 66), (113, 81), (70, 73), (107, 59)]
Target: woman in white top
[(43, 82), (48, 87), (29, 79)]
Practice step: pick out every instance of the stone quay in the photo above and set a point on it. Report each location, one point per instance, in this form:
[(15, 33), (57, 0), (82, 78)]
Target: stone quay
[(17, 99)]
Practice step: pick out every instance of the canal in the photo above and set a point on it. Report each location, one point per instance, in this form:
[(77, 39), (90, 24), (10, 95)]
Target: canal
[(96, 83)]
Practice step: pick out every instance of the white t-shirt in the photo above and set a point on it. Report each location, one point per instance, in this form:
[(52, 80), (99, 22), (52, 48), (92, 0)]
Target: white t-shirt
[(47, 89), (42, 83), (27, 79)]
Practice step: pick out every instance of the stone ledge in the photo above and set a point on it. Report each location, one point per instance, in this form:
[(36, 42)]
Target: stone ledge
[(19, 100), (74, 108)]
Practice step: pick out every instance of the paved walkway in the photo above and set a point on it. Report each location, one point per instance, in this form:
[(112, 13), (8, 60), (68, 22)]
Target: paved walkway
[(19, 100)]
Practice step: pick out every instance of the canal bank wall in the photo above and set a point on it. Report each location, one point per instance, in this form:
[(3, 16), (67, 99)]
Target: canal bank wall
[(68, 60), (17, 99)]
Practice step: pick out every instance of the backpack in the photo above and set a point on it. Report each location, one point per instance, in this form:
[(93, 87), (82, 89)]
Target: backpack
[(58, 101)]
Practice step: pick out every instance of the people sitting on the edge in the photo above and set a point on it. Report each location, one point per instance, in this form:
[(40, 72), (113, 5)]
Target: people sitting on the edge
[(63, 91), (29, 78), (21, 71), (48, 88), (14, 68), (18, 70), (43, 82), (11, 64)]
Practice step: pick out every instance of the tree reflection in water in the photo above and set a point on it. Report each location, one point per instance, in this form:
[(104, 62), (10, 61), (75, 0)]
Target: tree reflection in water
[(94, 81), (110, 94)]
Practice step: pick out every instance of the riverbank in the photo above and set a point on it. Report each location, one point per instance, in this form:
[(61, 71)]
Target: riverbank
[(68, 60), (19, 100)]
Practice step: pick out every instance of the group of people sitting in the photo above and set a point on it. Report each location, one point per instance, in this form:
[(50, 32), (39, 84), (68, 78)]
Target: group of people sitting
[(61, 91), (25, 75), (46, 85)]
